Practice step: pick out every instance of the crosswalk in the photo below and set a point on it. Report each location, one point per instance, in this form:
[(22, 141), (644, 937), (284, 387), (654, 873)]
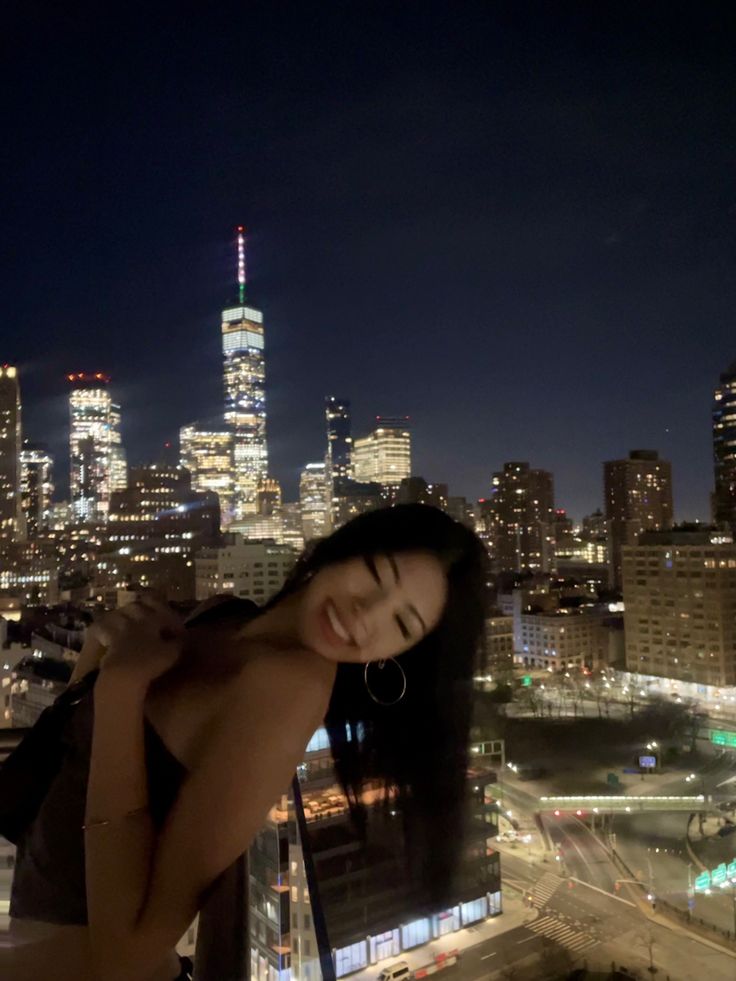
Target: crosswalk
[(561, 933), (545, 888)]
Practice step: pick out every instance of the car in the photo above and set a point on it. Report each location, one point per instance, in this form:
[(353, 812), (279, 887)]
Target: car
[(400, 971), (507, 836)]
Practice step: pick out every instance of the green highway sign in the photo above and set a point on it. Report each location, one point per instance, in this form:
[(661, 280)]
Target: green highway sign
[(527, 680), (722, 737), (716, 877)]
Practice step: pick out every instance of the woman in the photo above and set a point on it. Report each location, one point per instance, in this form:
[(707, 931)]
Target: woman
[(219, 716)]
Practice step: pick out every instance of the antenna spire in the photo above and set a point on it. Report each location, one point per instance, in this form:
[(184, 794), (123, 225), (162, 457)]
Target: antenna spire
[(241, 264)]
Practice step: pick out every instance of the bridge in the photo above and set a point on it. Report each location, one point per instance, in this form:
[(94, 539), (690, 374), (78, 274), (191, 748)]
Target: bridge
[(599, 804)]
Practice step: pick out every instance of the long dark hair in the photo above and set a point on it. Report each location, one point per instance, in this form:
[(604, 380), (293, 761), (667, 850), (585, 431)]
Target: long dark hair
[(417, 749)]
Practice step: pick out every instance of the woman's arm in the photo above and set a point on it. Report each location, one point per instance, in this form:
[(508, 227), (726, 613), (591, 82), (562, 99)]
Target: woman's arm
[(245, 764), (89, 658), (119, 853)]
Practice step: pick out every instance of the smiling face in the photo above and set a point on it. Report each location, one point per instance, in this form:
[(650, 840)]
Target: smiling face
[(373, 607)]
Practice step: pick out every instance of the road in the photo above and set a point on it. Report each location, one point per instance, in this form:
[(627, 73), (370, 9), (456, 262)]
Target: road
[(586, 922), (657, 842)]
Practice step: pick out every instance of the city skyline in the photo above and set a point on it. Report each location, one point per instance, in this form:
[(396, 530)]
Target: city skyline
[(493, 225)]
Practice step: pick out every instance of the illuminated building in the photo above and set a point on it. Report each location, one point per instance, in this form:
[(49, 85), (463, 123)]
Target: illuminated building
[(462, 510), (315, 501), (36, 487), (247, 569), (565, 637), (518, 519), (29, 570), (354, 497), (339, 437), (11, 516), (372, 916), (638, 495), (679, 590), (499, 648), (416, 490), (118, 460), (155, 526), (245, 404), (724, 449), (207, 453), (594, 526), (96, 457), (268, 496), (384, 455)]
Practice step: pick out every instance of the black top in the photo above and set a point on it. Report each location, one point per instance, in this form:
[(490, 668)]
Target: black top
[(49, 879)]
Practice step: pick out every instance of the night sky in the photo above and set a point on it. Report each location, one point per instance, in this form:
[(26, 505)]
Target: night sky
[(513, 222)]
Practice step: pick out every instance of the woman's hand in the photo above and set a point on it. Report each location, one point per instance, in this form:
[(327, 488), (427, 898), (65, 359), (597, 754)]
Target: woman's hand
[(141, 640)]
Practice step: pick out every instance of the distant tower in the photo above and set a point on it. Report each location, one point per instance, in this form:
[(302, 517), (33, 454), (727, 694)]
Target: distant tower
[(638, 494), (724, 449), (339, 437), (245, 403), (97, 463), (36, 487), (10, 448), (519, 518), (384, 455)]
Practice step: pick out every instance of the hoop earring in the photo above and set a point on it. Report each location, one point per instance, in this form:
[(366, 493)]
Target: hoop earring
[(381, 665)]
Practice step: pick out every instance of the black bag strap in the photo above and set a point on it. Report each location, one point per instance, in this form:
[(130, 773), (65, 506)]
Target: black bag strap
[(318, 914)]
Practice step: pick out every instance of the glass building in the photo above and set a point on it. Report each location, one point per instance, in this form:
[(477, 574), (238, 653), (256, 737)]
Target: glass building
[(370, 913), (207, 453), (95, 451), (384, 455), (245, 403), (10, 449), (724, 449), (37, 487), (315, 501)]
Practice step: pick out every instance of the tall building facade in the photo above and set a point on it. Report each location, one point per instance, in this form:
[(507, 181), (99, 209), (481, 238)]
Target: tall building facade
[(247, 569), (10, 448), (519, 519), (95, 450), (315, 501), (339, 458), (680, 606), (245, 394), (155, 525), (384, 455), (371, 914), (416, 490), (37, 488), (724, 449), (638, 494), (118, 459), (207, 453)]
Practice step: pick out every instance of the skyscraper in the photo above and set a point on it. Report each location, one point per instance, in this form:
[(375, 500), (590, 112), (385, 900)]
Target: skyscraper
[(680, 597), (207, 453), (519, 519), (638, 494), (384, 455), (724, 449), (315, 501), (36, 487), (245, 404), (118, 459), (10, 448), (95, 451), (339, 438)]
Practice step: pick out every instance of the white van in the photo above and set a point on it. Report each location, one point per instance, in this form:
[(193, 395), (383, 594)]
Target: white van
[(400, 971)]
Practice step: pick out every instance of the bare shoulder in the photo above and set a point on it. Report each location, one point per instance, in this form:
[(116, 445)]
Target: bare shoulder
[(295, 684)]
